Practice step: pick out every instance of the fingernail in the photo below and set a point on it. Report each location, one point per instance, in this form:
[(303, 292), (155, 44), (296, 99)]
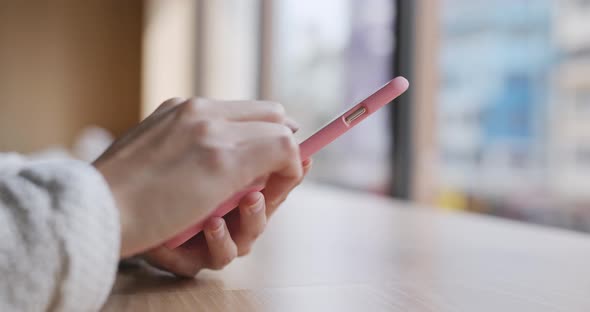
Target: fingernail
[(257, 206), (306, 162), (215, 228), (292, 124)]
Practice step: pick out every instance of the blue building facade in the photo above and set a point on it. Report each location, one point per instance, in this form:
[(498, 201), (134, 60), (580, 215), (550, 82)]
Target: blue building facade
[(496, 57)]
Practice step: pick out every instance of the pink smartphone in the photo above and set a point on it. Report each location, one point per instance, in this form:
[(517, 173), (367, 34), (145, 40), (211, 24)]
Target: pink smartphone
[(314, 143)]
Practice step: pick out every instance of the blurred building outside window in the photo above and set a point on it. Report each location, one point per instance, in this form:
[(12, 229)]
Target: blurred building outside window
[(513, 109)]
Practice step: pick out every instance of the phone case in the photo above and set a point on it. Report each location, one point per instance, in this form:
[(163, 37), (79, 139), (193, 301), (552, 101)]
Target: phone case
[(310, 146)]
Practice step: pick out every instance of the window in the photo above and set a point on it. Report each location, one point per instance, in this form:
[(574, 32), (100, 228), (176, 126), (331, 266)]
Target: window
[(512, 127), (326, 56)]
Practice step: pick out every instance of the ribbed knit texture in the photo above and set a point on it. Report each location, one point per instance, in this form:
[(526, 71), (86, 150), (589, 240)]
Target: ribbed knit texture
[(59, 236)]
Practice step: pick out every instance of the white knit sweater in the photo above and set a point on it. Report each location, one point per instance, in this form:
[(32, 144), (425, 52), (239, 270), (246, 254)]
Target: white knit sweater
[(59, 236)]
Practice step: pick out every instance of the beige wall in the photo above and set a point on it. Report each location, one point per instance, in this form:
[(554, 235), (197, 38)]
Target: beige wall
[(66, 64), (200, 48), (170, 60)]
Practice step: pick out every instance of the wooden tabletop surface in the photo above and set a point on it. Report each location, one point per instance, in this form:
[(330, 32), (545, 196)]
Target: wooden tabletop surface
[(334, 250)]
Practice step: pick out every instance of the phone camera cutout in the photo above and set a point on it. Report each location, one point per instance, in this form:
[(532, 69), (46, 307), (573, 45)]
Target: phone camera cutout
[(355, 115)]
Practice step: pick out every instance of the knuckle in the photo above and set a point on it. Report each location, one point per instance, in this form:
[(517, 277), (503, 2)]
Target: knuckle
[(276, 107), (222, 262), (215, 154), (244, 251), (256, 234), (257, 231), (218, 159), (247, 239), (170, 103), (276, 111), (194, 107), (203, 128), (277, 202), (287, 142)]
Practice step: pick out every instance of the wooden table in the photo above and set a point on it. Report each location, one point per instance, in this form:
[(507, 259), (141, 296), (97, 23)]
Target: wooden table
[(333, 250)]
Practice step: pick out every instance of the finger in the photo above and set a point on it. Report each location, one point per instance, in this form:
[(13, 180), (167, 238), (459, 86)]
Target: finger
[(186, 260), (251, 222), (247, 131), (275, 157), (291, 124), (307, 164), (276, 192), (239, 111), (258, 149), (279, 196), (222, 248)]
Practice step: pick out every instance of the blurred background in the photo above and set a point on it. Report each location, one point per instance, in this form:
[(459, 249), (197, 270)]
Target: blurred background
[(497, 120)]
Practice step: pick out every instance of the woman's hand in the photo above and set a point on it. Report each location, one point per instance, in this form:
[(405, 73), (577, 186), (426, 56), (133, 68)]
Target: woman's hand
[(187, 157), (222, 239)]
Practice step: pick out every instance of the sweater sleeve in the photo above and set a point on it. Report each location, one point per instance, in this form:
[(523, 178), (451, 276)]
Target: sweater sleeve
[(59, 236)]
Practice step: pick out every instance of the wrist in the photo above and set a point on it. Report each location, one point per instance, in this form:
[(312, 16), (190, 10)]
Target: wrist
[(126, 224)]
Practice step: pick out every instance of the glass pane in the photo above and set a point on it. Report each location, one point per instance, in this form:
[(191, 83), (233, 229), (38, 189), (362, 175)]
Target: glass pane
[(514, 108), (328, 55)]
